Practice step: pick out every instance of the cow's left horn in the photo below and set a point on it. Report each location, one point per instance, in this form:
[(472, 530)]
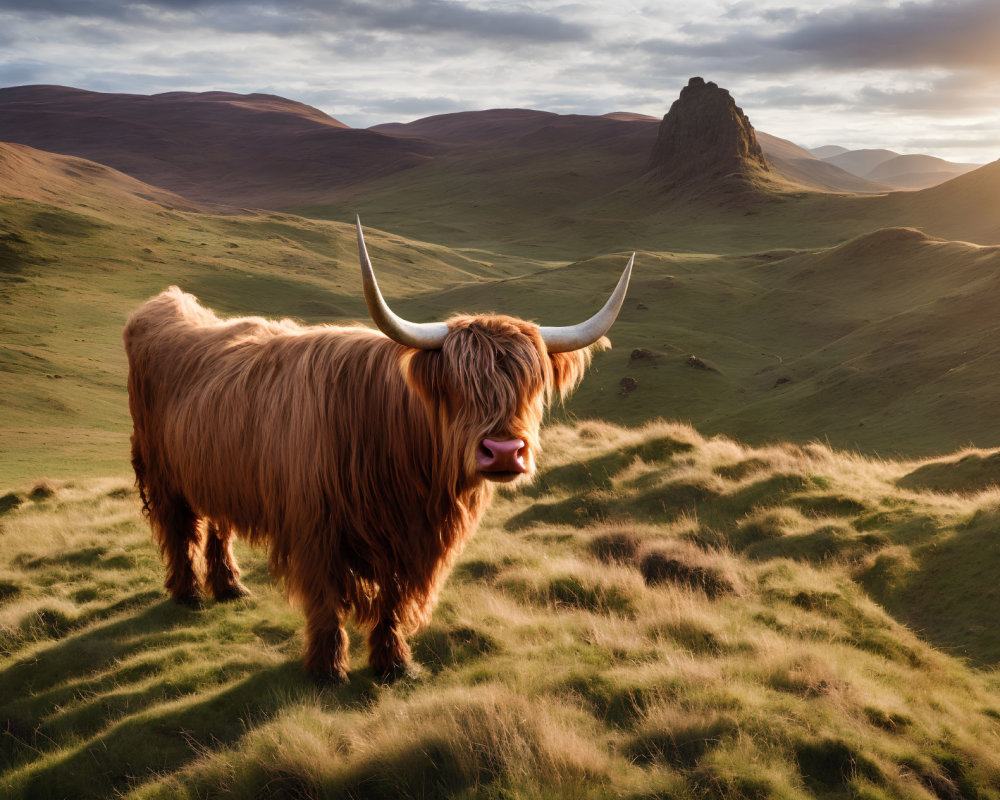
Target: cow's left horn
[(575, 337), (421, 335)]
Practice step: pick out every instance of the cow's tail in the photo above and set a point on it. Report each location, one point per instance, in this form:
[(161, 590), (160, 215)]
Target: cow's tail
[(139, 465)]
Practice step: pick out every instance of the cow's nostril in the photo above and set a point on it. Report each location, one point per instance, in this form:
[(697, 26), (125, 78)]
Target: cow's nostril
[(503, 456)]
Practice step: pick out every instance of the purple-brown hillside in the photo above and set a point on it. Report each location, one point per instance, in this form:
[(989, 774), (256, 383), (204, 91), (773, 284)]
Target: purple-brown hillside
[(254, 150), (706, 140)]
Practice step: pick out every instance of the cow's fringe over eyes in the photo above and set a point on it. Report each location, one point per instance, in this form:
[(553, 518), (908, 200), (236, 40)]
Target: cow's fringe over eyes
[(350, 456)]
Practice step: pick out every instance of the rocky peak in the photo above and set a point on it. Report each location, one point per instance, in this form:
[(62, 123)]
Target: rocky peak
[(705, 135)]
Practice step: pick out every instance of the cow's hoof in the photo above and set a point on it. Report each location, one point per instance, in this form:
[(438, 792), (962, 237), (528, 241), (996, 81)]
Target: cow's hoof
[(331, 678), (236, 591), (408, 670), (194, 601)]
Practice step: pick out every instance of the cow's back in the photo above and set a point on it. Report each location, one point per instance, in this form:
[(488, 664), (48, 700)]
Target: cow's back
[(268, 424)]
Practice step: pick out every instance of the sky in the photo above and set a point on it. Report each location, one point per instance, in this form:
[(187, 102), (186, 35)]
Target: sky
[(916, 76)]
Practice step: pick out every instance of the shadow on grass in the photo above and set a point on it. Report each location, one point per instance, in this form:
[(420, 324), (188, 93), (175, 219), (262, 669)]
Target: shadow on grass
[(596, 473), (163, 738), (951, 600), (662, 503), (83, 717), (969, 475), (96, 647)]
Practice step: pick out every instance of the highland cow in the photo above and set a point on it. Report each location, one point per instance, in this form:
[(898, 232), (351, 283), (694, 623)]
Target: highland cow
[(362, 459)]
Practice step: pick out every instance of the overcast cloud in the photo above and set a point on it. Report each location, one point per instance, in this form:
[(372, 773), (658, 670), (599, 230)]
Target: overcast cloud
[(914, 76)]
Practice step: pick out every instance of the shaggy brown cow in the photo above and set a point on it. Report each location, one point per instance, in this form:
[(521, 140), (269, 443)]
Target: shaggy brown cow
[(363, 461)]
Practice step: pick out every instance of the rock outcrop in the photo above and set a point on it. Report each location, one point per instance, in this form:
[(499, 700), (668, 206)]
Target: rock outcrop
[(706, 141)]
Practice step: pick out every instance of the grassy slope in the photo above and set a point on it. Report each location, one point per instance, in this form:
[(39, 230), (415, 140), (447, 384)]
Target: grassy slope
[(660, 614), (799, 345), (73, 263)]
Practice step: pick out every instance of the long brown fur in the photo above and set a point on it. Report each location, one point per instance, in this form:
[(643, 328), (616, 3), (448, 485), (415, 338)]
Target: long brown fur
[(350, 456)]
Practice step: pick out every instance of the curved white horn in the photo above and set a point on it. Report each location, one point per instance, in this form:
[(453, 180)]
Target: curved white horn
[(574, 337), (421, 335)]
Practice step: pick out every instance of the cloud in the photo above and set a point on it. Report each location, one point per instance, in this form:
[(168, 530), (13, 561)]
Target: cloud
[(24, 71), (410, 107), (949, 34), (795, 96), (414, 17), (948, 95), (812, 70), (944, 33)]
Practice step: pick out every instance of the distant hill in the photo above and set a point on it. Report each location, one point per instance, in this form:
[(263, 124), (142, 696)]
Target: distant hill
[(860, 162), (628, 116), (254, 150), (912, 171), (827, 150), (497, 134), (465, 127), (917, 171), (800, 166), (265, 151)]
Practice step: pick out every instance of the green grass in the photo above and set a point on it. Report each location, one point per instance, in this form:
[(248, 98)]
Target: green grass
[(63, 409), (881, 343), (787, 629)]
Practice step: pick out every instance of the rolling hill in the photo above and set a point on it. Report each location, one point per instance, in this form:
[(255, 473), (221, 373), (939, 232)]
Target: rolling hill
[(241, 150), (912, 171), (916, 171), (861, 162), (804, 168), (875, 365), (268, 152), (828, 150), (961, 208)]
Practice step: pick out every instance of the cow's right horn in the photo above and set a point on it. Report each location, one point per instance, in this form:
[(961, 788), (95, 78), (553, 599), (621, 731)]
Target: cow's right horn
[(421, 335)]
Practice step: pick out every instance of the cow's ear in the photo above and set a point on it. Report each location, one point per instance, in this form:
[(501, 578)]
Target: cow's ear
[(568, 368)]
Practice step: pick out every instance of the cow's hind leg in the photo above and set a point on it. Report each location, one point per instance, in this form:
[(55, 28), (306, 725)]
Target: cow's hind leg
[(222, 575), (327, 657)]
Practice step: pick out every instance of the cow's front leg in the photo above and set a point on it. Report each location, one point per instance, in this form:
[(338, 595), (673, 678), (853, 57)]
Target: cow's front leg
[(327, 657), (222, 574), (176, 529), (388, 653)]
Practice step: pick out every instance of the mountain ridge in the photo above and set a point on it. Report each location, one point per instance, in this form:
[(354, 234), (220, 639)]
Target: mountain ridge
[(270, 152)]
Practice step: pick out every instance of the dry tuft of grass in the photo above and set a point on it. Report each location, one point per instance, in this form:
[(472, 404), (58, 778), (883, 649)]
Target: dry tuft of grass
[(42, 490), (686, 565)]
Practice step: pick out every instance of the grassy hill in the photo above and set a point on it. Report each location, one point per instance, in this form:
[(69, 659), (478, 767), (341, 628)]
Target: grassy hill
[(882, 342), (660, 615), (82, 245)]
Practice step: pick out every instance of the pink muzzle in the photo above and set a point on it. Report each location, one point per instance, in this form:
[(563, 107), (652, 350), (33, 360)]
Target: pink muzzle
[(508, 456)]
